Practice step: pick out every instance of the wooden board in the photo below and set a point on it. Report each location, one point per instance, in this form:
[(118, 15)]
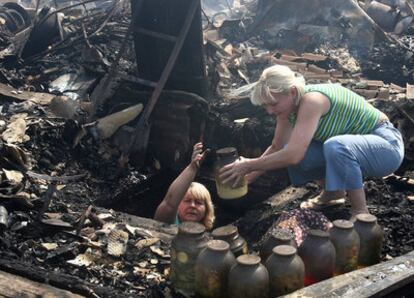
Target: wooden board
[(16, 286), (374, 281), (36, 97)]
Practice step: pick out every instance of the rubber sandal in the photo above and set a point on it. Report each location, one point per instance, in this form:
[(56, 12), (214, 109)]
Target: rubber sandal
[(316, 204)]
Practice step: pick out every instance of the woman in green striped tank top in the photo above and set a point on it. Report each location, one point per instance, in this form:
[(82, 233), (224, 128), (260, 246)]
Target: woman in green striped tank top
[(324, 133)]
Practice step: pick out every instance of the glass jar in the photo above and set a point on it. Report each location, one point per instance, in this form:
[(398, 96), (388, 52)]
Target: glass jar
[(277, 237), (227, 191), (212, 269), (231, 235), (286, 270), (248, 278), (185, 248), (346, 242), (371, 238), (318, 255)]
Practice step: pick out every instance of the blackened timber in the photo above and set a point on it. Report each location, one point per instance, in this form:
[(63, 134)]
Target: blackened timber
[(167, 17)]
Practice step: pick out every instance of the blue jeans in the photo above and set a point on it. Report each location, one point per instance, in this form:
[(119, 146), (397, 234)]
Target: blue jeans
[(343, 161)]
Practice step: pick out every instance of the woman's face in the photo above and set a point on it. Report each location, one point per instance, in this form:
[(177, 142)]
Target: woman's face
[(191, 209), (282, 103)]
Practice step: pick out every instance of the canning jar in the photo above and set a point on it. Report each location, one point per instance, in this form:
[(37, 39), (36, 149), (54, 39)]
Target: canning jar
[(318, 255), (286, 270), (370, 237), (226, 190), (185, 248), (212, 269), (346, 242), (277, 237), (248, 278), (230, 234)]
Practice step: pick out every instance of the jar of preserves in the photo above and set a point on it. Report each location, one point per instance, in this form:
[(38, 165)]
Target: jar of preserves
[(286, 270), (371, 238), (346, 242), (185, 248), (248, 278), (226, 190), (277, 237), (318, 255), (212, 269), (231, 235)]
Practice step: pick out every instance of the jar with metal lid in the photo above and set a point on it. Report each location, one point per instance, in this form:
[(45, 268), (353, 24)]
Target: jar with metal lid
[(371, 238), (276, 237), (226, 190), (230, 234), (248, 278), (212, 269), (318, 255), (286, 270), (185, 248), (346, 242)]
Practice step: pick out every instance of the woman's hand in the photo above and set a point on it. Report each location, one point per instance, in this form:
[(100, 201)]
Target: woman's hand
[(198, 155), (234, 173)]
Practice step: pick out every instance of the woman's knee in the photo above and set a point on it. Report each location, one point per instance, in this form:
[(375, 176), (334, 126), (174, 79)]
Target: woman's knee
[(335, 148)]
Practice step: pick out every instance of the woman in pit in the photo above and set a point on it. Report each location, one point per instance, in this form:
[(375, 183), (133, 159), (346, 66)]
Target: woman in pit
[(187, 200), (324, 133)]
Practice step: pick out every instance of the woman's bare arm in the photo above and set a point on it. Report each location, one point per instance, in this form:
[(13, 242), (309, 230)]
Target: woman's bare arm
[(167, 210)]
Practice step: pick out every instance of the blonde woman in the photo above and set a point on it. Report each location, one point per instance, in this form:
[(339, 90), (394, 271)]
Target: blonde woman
[(324, 132), (187, 200)]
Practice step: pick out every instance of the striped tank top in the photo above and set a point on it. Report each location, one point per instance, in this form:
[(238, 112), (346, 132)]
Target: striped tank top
[(349, 113)]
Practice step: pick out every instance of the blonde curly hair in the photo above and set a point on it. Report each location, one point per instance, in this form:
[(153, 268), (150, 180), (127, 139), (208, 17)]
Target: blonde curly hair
[(199, 191)]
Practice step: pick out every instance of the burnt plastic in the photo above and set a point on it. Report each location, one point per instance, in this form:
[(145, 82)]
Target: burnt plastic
[(286, 270), (212, 269)]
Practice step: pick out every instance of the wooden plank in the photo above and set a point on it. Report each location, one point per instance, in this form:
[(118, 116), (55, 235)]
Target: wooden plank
[(410, 92), (286, 196), (374, 83), (317, 76), (316, 69), (373, 281), (17, 286), (313, 57), (397, 88), (368, 94), (36, 97)]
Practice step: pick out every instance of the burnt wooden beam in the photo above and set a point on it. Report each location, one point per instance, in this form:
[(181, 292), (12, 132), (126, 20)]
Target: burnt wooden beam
[(374, 281), (16, 286), (56, 279)]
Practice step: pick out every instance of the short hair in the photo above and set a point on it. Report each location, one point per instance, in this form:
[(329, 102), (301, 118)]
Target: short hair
[(199, 191), (277, 78)]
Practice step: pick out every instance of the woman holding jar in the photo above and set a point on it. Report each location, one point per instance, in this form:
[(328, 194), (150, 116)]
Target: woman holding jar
[(324, 132), (187, 200)]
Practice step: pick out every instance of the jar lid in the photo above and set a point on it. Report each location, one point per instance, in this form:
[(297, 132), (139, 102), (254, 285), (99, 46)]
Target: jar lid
[(227, 151), (192, 228), (343, 224), (248, 259), (218, 245), (282, 234), (284, 250), (224, 232), (366, 217), (318, 233)]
